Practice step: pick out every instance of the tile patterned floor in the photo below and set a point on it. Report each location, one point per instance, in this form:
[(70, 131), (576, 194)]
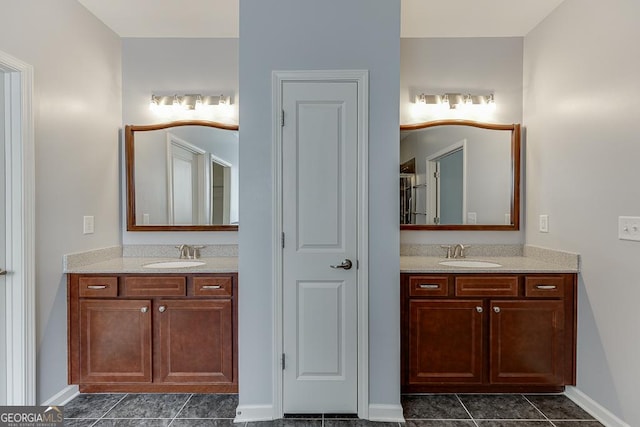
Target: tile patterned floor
[(420, 410)]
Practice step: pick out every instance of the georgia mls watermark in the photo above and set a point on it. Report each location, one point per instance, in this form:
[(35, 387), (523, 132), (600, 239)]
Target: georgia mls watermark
[(31, 416)]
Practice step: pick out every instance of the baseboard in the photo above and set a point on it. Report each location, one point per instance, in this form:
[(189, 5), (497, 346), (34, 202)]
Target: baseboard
[(388, 413), (63, 396), (596, 410), (246, 413)]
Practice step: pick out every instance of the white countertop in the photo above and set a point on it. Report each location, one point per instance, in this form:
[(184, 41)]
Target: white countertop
[(516, 264), (135, 265)]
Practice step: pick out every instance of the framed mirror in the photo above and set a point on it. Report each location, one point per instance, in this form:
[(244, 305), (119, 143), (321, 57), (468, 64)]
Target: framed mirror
[(459, 175), (182, 176)]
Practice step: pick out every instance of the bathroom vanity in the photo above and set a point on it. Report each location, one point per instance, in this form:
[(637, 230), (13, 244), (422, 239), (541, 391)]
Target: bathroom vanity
[(132, 329), (505, 329)]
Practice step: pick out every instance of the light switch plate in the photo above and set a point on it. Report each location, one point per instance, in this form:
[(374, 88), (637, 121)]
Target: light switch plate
[(629, 228), (87, 225), (544, 224)]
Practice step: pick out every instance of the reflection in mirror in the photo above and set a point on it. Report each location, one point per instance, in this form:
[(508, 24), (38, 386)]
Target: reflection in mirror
[(458, 174), (182, 176)]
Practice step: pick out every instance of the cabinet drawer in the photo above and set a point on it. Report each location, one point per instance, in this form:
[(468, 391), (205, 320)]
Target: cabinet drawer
[(212, 286), (151, 286), (428, 286), (487, 286), (544, 286), (98, 286)]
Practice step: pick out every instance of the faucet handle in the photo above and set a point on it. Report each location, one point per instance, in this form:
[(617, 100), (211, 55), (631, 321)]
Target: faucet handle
[(448, 248), (196, 250)]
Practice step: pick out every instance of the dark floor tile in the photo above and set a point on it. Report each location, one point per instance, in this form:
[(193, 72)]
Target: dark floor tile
[(79, 422), (91, 405), (133, 422), (499, 407), (204, 422), (433, 406), (210, 406), (287, 422), (513, 423), (439, 423), (587, 423), (357, 423), (558, 407), (148, 406)]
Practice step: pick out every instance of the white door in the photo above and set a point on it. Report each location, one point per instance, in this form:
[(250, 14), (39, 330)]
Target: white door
[(3, 239), (319, 213)]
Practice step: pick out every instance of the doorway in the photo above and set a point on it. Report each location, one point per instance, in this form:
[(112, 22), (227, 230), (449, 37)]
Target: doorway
[(17, 285), (320, 266)]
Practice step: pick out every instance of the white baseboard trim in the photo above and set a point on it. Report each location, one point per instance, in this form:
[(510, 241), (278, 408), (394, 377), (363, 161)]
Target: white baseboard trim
[(596, 410), (246, 413), (63, 396), (388, 413)]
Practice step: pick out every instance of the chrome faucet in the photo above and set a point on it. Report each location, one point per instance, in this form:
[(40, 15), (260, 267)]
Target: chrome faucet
[(189, 252), (458, 250)]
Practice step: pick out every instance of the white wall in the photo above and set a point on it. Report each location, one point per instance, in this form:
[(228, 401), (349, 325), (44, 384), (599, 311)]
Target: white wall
[(581, 108), (332, 34), (461, 65), (165, 66), (77, 110)]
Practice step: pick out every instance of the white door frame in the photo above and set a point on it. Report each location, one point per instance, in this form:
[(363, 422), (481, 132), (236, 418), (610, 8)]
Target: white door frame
[(361, 78), (20, 223)]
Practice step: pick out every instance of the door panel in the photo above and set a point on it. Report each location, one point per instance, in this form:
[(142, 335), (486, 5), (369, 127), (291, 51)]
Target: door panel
[(320, 222), (3, 264)]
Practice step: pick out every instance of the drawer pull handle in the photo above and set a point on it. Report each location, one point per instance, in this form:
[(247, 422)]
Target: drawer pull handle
[(496, 309), (144, 309), (97, 287), (546, 287), (479, 309), (211, 287), (162, 309), (428, 286)]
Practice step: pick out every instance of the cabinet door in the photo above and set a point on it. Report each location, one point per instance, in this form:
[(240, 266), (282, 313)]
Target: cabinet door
[(445, 341), (527, 342), (195, 341), (115, 341)]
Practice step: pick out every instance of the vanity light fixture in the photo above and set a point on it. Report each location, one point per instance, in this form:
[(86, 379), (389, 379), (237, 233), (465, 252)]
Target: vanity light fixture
[(455, 100), (193, 101)]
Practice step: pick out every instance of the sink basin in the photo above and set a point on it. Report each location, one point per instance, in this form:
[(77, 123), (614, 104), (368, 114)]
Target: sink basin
[(174, 264), (470, 263)]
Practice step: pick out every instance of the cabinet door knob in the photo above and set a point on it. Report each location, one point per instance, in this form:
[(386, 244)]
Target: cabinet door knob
[(162, 309), (479, 309), (144, 309), (496, 309)]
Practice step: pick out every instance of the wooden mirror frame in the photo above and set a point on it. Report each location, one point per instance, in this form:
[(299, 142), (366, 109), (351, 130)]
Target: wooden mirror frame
[(515, 176), (129, 132)]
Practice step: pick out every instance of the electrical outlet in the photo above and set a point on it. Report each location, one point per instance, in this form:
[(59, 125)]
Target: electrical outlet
[(629, 228), (472, 218), (543, 225), (87, 225), (507, 219), (145, 219)]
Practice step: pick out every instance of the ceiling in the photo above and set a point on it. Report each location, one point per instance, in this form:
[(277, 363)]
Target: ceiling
[(420, 18)]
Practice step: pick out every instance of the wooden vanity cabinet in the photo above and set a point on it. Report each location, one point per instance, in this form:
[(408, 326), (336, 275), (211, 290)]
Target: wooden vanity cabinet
[(488, 332), (153, 333)]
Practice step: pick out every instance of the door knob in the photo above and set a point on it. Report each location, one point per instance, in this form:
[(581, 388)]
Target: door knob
[(3, 272), (346, 265)]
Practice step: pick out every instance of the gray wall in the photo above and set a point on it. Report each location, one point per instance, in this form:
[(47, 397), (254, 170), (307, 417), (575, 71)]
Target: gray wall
[(581, 68), (333, 34), (77, 110), (461, 65), (166, 66)]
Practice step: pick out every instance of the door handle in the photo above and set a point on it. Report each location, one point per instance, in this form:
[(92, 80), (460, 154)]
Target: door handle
[(346, 265), (3, 272)]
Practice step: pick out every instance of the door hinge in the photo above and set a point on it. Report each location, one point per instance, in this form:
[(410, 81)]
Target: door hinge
[(282, 119), (283, 361), (283, 240), (436, 174), (436, 220)]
